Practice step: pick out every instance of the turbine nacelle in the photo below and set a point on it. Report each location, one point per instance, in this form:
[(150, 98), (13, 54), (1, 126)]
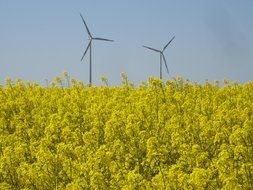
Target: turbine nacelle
[(101, 39)]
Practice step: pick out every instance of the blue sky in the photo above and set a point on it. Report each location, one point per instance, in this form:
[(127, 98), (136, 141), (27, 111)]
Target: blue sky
[(41, 39)]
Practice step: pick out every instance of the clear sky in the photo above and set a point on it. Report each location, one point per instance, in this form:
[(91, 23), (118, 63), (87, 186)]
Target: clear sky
[(41, 39)]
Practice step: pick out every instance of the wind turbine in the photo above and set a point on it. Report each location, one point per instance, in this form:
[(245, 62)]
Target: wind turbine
[(91, 38), (162, 57)]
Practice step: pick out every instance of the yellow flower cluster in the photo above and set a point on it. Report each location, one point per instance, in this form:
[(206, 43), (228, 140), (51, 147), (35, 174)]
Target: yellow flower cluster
[(173, 135)]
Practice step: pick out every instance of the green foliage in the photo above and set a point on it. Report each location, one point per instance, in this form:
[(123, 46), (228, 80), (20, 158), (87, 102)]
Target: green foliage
[(172, 135)]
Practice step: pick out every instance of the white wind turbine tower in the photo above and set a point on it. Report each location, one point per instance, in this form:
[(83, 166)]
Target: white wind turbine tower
[(162, 57), (89, 47)]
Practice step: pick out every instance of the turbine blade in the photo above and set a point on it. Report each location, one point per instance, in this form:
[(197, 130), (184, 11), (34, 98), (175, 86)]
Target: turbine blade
[(86, 50), (165, 63), (103, 39), (152, 49), (168, 43), (86, 25)]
